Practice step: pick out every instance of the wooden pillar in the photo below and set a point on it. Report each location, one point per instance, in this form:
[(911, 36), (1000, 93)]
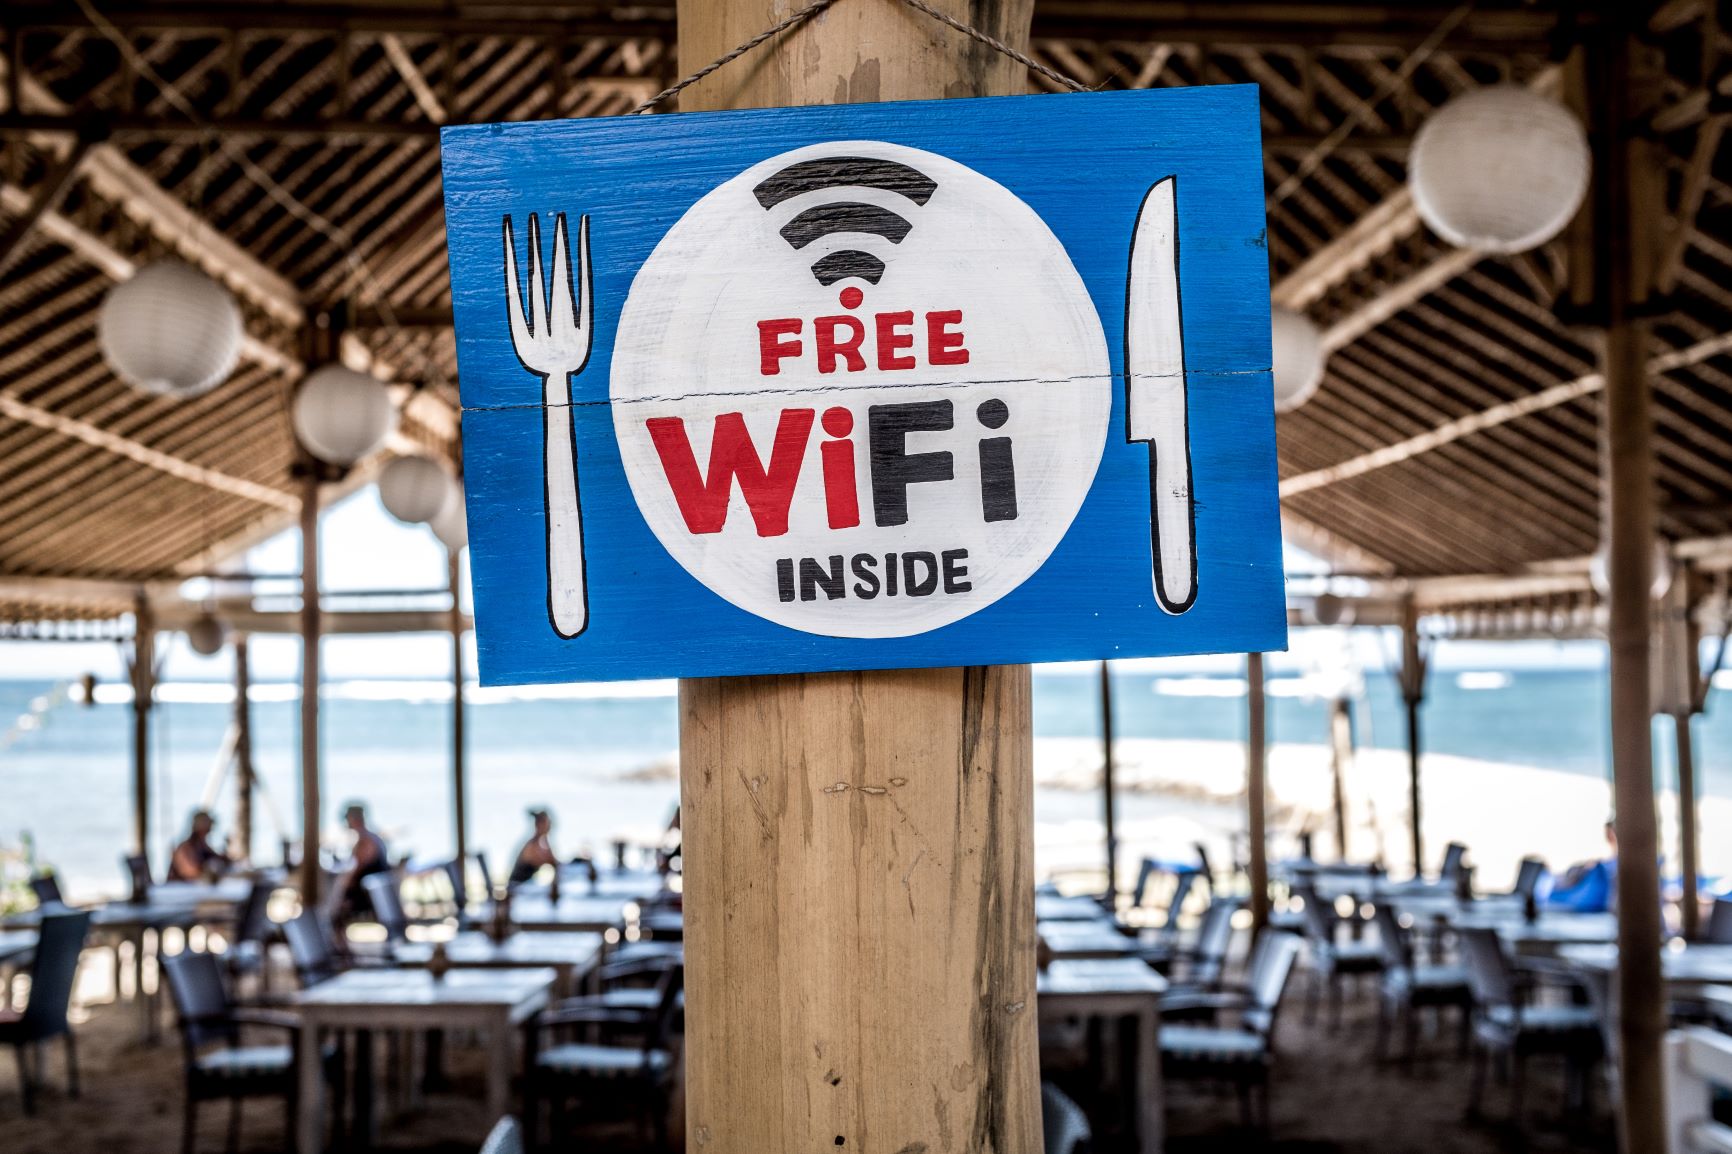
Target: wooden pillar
[(1340, 758), (459, 741), (243, 749), (1413, 672), (310, 625), (858, 846), (143, 694), (1108, 787), (1689, 853), (1626, 207), (1257, 789)]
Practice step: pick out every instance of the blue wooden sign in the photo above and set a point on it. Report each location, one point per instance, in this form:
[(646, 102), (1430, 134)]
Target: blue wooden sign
[(872, 386)]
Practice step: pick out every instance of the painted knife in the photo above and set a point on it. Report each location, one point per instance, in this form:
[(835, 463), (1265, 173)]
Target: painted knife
[(1155, 408)]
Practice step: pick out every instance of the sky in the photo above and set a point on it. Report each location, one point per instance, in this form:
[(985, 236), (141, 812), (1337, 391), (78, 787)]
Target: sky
[(363, 547)]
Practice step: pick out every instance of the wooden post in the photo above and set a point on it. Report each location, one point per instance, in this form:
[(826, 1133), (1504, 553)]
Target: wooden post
[(1413, 696), (1626, 207), (243, 750), (858, 846), (1108, 788), (459, 742), (1340, 757), (310, 801), (143, 693), (1257, 789), (1689, 854)]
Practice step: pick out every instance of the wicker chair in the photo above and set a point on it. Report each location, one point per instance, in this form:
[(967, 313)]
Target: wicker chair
[(53, 970), (1408, 986)]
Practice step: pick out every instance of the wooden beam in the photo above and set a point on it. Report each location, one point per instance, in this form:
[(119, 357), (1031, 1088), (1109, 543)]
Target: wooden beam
[(1412, 679), (1398, 297), (44, 196), (400, 59), (1257, 790), (859, 846), (312, 815), (143, 692)]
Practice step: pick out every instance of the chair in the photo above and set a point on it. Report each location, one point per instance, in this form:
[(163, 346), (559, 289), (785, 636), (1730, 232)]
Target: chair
[(46, 887), (1333, 961), (1407, 986), (506, 1137), (1505, 1024), (137, 867), (53, 970), (1206, 961), (1454, 857), (310, 949), (1064, 1128), (253, 933), (1528, 876), (1719, 926), (640, 1073), (387, 902), (455, 872), (217, 1066), (1161, 944), (486, 874), (1242, 1055)]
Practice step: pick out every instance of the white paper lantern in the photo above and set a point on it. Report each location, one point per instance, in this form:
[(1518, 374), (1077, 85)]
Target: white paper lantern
[(414, 489), (1500, 169), (170, 330), (1600, 571), (206, 635), (1298, 347), (342, 416), (451, 526)]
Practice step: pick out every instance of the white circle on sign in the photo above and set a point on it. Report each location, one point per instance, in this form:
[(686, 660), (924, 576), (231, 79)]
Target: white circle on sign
[(868, 320)]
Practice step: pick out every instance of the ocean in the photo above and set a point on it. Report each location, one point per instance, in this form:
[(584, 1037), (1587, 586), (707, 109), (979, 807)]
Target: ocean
[(602, 756)]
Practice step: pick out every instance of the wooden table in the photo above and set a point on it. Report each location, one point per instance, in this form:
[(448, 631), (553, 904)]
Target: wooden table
[(1548, 935), (1053, 908), (1699, 964), (567, 955), (1114, 988), (580, 913), (1078, 940), (492, 1002)]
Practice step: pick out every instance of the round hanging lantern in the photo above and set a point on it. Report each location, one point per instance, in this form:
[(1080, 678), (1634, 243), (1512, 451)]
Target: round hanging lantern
[(451, 526), (1500, 169), (1332, 609), (1600, 571), (206, 635), (1298, 348), (170, 330), (414, 489), (342, 416)]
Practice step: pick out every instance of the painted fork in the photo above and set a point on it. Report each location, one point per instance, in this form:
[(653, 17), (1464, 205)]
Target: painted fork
[(553, 342)]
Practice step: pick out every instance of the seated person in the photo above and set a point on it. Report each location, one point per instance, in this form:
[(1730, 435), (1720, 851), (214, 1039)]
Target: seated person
[(537, 851), (367, 858), (1586, 887), (194, 859)]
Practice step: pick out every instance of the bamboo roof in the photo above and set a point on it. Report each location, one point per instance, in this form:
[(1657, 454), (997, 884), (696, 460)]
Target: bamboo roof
[(290, 149)]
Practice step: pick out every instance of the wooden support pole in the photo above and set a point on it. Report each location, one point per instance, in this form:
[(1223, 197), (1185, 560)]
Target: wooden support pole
[(1108, 787), (1689, 853), (310, 801), (1626, 206), (243, 750), (858, 846), (1257, 789), (143, 694), (1340, 758), (459, 741), (1413, 696)]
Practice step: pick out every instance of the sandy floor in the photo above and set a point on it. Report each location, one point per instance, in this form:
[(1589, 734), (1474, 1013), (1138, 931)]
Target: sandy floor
[(1330, 1096)]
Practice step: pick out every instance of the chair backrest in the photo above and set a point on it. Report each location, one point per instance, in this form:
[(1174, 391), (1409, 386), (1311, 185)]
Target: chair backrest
[(1392, 940), (254, 923), (201, 1002), (1271, 966), (1204, 864), (1719, 927), (1182, 886), (1214, 939), (668, 989), (1064, 1127), (310, 948), (486, 874), (137, 867), (46, 887), (1488, 971), (505, 1138), (387, 904), (1318, 918), (454, 873), (1453, 856), (53, 971), (1148, 869), (1528, 876)]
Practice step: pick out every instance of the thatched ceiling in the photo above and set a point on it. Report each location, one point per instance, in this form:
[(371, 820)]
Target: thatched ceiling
[(290, 148)]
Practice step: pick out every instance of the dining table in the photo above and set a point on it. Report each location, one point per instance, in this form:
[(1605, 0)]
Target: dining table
[(491, 1002), (568, 955), (1115, 988), (1073, 908), (1681, 964), (1100, 938), (572, 913), (1545, 935)]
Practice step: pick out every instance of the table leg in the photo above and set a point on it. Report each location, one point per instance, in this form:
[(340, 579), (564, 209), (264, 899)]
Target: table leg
[(138, 994), (498, 1069), (364, 1129), (309, 1105), (1152, 1122)]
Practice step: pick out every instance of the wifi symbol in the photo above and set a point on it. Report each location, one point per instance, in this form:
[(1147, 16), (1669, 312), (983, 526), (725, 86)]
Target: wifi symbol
[(843, 215)]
